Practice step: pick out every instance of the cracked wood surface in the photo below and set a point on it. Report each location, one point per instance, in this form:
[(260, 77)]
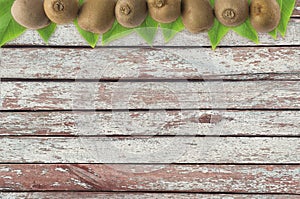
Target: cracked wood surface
[(223, 123), (143, 149), (150, 95), (245, 63), (162, 178)]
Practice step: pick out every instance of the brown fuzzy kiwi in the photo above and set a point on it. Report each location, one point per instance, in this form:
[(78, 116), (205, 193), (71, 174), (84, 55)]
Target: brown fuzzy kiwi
[(197, 15), (61, 11), (131, 13), (30, 14), (232, 12), (97, 16), (264, 15), (164, 11)]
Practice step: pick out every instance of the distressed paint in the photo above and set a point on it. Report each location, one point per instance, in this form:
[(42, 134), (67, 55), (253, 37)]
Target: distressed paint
[(225, 123), (245, 63), (145, 149), (163, 178)]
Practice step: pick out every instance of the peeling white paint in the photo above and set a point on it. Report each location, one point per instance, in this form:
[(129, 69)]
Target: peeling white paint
[(62, 170), (82, 184)]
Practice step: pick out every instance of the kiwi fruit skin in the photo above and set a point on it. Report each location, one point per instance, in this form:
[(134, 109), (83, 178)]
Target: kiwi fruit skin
[(30, 14), (197, 15), (164, 11), (131, 13), (97, 16), (264, 15), (61, 11), (232, 13)]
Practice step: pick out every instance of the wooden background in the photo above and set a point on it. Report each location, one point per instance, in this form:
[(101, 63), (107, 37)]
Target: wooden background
[(176, 120)]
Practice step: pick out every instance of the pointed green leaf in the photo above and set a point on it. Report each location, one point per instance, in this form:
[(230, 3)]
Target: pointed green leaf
[(90, 37), (9, 28), (216, 33), (147, 30), (171, 29), (246, 30), (47, 32), (116, 32), (286, 13), (273, 33)]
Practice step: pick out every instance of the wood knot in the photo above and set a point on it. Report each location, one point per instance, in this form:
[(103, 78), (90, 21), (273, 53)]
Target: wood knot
[(210, 119)]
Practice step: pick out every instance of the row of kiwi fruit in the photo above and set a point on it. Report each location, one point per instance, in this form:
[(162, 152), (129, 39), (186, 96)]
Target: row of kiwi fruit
[(98, 16)]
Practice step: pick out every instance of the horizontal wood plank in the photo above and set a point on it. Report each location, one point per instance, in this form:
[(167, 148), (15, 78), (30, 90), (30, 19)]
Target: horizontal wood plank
[(163, 178), (157, 63), (149, 95), (120, 195), (149, 150), (69, 36), (225, 123)]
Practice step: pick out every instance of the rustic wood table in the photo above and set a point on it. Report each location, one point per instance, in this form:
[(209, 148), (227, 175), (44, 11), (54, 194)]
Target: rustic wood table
[(176, 120)]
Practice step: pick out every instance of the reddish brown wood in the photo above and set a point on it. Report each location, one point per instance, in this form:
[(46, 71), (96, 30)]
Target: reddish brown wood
[(183, 178)]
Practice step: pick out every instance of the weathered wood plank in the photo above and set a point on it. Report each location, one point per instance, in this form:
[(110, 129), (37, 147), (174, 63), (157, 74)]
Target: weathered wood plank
[(168, 63), (150, 95), (183, 178), (225, 123), (149, 150), (120, 195), (69, 36), (296, 12)]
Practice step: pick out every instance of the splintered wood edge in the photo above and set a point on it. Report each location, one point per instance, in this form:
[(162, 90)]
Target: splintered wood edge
[(162, 178), (221, 123)]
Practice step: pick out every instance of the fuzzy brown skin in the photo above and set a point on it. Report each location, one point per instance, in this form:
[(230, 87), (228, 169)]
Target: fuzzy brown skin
[(131, 13), (232, 13), (197, 15), (164, 11), (265, 15), (97, 16), (30, 14), (61, 11)]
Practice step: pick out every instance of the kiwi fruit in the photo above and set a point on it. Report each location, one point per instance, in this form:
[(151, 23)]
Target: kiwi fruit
[(264, 15), (197, 15), (61, 11), (30, 14), (164, 11), (232, 13), (97, 16), (131, 13)]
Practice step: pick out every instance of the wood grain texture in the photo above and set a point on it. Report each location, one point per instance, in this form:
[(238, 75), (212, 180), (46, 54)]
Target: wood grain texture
[(150, 150), (225, 123), (163, 178), (69, 36), (120, 195), (151, 63), (150, 95)]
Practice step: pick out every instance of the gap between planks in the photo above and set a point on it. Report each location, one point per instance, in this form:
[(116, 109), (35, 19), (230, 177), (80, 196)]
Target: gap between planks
[(243, 179)]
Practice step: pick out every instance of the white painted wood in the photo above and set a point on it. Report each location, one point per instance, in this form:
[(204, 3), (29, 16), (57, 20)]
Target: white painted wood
[(150, 150), (68, 36), (150, 95), (225, 123), (157, 63), (101, 195)]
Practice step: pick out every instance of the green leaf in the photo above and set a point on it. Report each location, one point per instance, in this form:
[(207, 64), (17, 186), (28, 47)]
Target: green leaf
[(147, 30), (216, 33), (47, 32), (246, 30), (287, 7), (9, 28), (116, 32), (273, 33), (81, 2), (171, 29), (90, 37)]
